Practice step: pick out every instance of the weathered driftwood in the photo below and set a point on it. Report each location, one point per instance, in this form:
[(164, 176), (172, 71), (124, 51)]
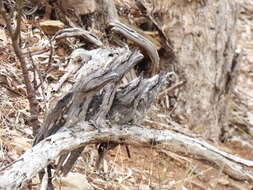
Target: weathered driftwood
[(83, 133), (104, 65), (96, 97), (104, 69), (91, 97)]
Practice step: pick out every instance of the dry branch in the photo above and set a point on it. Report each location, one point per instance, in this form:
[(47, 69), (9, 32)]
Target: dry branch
[(33, 102), (48, 150)]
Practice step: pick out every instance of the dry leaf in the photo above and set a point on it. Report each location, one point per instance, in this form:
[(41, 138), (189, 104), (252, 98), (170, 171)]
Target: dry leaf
[(73, 181), (51, 26)]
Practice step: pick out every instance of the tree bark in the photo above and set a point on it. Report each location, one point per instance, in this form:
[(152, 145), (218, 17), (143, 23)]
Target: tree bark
[(202, 36)]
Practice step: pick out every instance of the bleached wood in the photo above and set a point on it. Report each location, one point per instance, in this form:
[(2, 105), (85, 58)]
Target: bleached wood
[(31, 162)]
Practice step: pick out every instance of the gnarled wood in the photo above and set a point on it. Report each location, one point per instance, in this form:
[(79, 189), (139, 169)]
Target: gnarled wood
[(83, 133)]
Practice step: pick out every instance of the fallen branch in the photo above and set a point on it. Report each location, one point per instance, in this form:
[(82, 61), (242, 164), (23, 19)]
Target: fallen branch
[(31, 162)]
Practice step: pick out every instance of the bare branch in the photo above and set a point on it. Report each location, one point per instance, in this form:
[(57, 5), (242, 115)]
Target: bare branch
[(34, 110), (18, 174)]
